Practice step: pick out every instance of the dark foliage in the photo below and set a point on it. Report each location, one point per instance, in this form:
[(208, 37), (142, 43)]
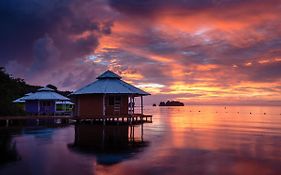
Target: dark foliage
[(10, 89), (52, 87), (171, 103), (64, 93)]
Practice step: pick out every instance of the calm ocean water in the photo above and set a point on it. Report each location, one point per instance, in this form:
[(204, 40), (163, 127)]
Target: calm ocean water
[(181, 140)]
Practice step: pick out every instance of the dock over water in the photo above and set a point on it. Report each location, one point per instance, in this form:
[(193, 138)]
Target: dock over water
[(135, 119)]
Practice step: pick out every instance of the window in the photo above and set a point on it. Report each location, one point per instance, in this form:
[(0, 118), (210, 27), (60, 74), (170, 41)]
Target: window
[(112, 100), (118, 98)]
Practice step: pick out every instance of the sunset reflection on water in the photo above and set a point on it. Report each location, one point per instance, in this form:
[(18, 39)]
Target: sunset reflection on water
[(210, 140), (181, 140)]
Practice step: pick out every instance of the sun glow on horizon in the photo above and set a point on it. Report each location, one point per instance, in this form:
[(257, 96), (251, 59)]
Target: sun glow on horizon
[(182, 50)]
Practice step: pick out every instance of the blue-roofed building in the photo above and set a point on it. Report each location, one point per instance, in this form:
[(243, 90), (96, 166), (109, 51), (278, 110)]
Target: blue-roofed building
[(107, 96), (44, 102)]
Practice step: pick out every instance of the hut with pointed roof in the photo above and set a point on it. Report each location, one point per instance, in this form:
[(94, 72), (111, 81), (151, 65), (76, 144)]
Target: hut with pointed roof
[(107, 96), (43, 101)]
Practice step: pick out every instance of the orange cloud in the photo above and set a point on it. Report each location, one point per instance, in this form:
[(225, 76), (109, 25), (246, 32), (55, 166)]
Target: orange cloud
[(205, 52)]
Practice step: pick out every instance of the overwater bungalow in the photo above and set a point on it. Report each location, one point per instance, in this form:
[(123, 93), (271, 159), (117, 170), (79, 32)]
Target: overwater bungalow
[(107, 96), (45, 102)]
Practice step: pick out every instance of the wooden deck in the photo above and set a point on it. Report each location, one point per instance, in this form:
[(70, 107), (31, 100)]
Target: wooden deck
[(134, 119), (33, 117), (127, 119)]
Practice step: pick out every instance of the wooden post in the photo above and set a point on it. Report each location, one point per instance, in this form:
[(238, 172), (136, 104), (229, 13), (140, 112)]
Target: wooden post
[(103, 105), (133, 133), (133, 104), (141, 105), (55, 111), (103, 108), (142, 132), (129, 107), (38, 107), (103, 137), (56, 106), (64, 107)]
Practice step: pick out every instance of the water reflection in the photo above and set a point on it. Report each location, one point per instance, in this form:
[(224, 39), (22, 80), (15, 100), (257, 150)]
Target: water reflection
[(111, 144), (181, 141), (8, 149)]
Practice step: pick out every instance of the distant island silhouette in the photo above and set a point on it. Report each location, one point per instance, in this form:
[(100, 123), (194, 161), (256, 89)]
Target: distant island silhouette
[(171, 103)]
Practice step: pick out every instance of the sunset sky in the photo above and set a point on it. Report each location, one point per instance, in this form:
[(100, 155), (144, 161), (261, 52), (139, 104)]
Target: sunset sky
[(195, 51)]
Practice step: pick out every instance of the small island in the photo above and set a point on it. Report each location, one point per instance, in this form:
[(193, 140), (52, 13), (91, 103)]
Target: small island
[(171, 103)]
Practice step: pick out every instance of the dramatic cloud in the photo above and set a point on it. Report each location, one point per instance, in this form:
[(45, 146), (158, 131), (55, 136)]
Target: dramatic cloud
[(40, 39), (201, 51)]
